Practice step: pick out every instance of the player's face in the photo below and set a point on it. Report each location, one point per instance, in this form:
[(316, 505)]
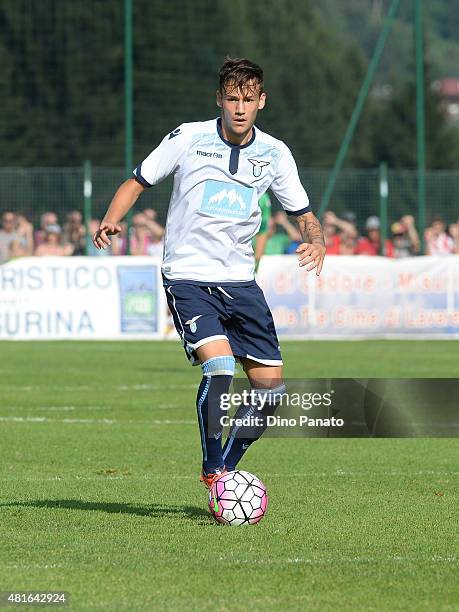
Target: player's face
[(239, 111)]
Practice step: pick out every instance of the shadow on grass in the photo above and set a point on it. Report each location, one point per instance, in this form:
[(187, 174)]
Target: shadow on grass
[(193, 513)]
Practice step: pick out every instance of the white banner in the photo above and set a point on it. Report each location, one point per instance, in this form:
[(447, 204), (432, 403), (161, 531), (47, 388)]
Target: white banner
[(46, 298), (122, 298), (364, 297)]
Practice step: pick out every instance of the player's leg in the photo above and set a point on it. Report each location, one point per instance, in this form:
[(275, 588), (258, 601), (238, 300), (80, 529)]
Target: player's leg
[(198, 313), (267, 384), (254, 341), (218, 366)]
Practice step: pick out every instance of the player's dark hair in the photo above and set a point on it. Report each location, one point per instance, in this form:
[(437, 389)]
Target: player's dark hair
[(237, 73)]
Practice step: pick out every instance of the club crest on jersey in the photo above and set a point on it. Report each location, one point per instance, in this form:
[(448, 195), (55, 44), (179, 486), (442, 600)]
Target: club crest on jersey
[(192, 323), (258, 165)]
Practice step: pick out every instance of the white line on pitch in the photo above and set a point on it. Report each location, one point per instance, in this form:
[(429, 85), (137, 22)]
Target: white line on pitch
[(157, 387), (39, 419)]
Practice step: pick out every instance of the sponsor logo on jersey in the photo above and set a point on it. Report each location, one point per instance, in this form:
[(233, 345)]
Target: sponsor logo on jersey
[(258, 165), (176, 132), (228, 200), (209, 154)]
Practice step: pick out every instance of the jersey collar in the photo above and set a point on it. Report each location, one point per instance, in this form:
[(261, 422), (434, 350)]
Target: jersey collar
[(230, 144)]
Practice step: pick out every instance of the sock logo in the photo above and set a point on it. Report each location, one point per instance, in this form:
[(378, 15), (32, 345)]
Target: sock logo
[(192, 324)]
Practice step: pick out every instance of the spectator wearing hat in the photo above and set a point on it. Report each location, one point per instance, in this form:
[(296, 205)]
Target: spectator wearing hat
[(405, 237), (371, 243), (47, 218), (52, 245)]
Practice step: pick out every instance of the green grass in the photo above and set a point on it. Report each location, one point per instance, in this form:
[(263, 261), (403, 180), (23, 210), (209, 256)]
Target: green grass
[(99, 458)]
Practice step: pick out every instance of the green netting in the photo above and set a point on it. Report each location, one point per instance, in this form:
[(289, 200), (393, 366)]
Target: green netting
[(33, 191)]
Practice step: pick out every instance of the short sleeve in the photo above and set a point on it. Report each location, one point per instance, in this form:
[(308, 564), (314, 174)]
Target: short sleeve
[(287, 186), (165, 159)]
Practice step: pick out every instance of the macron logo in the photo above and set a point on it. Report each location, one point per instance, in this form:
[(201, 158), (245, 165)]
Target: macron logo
[(176, 132), (209, 154)]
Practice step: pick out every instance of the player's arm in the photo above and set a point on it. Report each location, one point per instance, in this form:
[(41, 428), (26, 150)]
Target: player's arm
[(123, 200), (290, 192), (311, 252), (162, 161)]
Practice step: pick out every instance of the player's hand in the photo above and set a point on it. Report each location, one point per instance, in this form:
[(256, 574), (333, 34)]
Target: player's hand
[(330, 217), (101, 238), (407, 220), (311, 255)]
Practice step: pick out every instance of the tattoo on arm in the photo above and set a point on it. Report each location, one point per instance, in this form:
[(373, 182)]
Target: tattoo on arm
[(310, 228)]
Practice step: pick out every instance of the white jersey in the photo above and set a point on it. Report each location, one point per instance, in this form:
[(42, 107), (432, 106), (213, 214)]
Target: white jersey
[(214, 212)]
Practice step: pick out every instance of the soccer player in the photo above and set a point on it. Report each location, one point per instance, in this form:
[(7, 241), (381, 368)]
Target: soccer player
[(221, 169)]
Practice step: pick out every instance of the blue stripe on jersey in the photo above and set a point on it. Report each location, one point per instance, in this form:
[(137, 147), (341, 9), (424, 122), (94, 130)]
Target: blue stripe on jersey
[(299, 212), (230, 144), (234, 160), (138, 176)]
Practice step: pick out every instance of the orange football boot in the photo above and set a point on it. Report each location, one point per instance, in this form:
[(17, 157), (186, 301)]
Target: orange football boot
[(209, 479)]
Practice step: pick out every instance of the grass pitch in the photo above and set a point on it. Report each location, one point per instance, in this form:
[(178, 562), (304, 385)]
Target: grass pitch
[(99, 494)]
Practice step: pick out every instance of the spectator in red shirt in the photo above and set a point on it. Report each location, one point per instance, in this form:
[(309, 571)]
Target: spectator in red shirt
[(336, 232), (371, 243)]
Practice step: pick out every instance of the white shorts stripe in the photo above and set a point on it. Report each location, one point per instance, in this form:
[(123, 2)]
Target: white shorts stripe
[(268, 362), (206, 340)]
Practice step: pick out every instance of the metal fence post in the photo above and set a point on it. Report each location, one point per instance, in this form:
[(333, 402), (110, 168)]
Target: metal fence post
[(128, 103), (361, 98), (383, 198), (420, 123), (87, 194)]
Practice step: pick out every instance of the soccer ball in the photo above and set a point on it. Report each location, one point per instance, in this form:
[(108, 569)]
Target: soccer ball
[(238, 498)]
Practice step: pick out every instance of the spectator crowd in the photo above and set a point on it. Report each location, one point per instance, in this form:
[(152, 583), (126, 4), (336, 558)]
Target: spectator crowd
[(342, 236), (18, 238)]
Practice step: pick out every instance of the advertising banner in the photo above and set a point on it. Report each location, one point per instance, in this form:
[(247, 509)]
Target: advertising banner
[(122, 298), (81, 298), (364, 297)]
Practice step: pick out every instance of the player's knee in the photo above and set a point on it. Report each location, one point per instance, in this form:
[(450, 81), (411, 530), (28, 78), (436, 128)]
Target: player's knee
[(224, 365), (271, 396)]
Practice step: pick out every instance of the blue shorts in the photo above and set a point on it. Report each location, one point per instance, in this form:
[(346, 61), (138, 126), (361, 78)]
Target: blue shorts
[(238, 314)]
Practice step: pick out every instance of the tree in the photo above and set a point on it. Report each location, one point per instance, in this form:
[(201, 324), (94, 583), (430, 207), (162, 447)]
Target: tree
[(394, 127)]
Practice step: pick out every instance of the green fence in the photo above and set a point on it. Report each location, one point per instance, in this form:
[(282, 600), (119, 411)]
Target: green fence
[(33, 191)]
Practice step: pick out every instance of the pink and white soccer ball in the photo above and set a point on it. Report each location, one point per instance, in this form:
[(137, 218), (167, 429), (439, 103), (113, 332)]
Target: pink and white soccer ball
[(238, 498)]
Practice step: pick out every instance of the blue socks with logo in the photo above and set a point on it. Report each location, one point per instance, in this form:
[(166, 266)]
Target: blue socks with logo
[(241, 437), (218, 373)]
